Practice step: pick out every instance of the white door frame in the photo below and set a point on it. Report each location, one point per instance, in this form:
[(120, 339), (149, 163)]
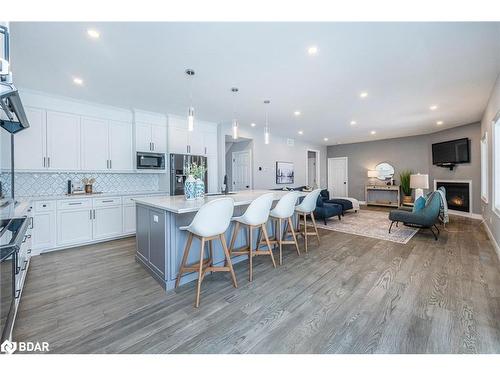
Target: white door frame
[(318, 175), (346, 159), (250, 162)]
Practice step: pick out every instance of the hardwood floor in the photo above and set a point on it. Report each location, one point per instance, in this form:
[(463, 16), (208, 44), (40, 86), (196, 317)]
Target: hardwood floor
[(350, 295)]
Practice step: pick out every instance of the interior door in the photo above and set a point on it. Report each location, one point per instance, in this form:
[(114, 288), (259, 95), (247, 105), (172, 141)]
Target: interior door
[(95, 148), (29, 147), (63, 141), (337, 177), (120, 146), (241, 171)]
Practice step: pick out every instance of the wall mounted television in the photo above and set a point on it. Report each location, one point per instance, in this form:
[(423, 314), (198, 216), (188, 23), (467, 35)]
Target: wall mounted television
[(447, 154)]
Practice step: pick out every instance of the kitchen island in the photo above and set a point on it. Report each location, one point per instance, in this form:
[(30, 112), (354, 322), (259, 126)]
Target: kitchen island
[(160, 242)]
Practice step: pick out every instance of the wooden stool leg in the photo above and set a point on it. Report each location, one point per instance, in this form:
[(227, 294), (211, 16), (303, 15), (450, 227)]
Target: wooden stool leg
[(305, 230), (211, 251), (200, 273), (250, 254), (233, 240), (315, 227), (268, 243), (280, 240), (290, 224), (184, 258), (228, 259)]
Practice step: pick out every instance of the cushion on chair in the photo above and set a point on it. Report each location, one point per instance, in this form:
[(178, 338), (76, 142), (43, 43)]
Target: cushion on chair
[(346, 204)]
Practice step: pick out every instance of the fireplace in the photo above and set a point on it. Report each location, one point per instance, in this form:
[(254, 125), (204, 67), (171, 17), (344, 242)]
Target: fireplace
[(457, 194)]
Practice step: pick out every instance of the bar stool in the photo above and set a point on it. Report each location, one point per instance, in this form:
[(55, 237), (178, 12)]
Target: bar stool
[(307, 207), (255, 216), (209, 223), (283, 212)]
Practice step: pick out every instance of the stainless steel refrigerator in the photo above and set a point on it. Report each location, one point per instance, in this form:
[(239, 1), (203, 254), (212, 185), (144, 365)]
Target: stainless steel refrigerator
[(178, 171)]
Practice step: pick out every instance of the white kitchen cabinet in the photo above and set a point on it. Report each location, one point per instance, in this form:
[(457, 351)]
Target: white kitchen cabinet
[(107, 222), (44, 230), (63, 141), (201, 141), (95, 149), (129, 221), (213, 183), (210, 142), (74, 226), (30, 144), (159, 138), (196, 143), (120, 146), (150, 138), (177, 140)]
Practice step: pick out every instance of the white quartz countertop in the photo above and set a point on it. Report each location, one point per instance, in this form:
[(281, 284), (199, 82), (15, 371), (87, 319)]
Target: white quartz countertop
[(179, 205), (95, 195)]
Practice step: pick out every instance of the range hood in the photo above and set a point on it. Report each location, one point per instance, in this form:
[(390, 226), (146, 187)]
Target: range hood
[(12, 115)]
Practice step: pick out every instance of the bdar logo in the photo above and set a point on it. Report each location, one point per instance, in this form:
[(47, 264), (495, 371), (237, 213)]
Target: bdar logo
[(8, 347)]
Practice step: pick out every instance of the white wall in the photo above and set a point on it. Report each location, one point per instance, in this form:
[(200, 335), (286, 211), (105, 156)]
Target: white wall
[(492, 220), (266, 156)]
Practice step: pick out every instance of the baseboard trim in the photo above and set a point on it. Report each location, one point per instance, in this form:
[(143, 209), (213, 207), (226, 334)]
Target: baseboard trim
[(492, 239)]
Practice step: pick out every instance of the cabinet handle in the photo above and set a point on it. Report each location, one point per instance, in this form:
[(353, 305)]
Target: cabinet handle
[(205, 150), (110, 164), (107, 164), (32, 222), (44, 161), (94, 214), (74, 203), (18, 293), (90, 213), (29, 251), (24, 265), (48, 161), (108, 201), (153, 145)]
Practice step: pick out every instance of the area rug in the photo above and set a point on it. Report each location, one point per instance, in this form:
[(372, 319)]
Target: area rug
[(366, 223)]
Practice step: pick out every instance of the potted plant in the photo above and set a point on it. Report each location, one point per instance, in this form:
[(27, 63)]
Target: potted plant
[(198, 173), (404, 178)]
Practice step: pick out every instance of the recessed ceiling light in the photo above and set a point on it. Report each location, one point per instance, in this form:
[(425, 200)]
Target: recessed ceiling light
[(296, 113), (433, 107), (363, 95), (252, 124), (93, 33), (325, 139), (301, 132), (78, 81), (439, 123), (373, 132), (353, 122), (313, 50)]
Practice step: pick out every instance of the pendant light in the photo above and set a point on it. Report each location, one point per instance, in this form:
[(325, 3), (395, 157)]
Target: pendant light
[(235, 120), (190, 74), (266, 127)]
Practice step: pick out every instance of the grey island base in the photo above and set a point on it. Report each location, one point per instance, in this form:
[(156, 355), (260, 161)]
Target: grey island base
[(160, 242)]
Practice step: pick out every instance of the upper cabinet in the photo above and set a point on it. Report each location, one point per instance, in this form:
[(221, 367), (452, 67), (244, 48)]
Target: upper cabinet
[(106, 145), (150, 137), (201, 141), (63, 141)]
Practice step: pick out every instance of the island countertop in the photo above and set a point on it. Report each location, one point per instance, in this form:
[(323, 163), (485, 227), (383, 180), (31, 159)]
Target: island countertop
[(179, 205)]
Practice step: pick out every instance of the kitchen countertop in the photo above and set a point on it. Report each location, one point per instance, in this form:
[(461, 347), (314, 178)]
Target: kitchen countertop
[(179, 205), (80, 196)]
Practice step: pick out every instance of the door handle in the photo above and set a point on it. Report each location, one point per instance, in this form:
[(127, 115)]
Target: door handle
[(345, 183)]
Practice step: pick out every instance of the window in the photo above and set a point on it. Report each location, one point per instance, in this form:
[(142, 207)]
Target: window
[(484, 168), (496, 166)]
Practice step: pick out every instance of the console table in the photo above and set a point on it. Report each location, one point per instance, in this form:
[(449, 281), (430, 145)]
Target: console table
[(382, 195)]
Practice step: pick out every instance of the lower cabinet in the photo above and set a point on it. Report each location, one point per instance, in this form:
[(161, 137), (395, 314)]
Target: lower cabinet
[(129, 219), (74, 226), (107, 222), (151, 239), (44, 226)]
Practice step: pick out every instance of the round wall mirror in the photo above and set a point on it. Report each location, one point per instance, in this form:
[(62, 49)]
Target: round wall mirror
[(385, 171)]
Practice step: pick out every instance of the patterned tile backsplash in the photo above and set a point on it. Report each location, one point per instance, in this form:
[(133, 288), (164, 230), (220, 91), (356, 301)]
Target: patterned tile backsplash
[(40, 184)]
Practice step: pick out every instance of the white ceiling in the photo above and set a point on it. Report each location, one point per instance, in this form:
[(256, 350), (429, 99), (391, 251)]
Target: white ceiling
[(404, 67)]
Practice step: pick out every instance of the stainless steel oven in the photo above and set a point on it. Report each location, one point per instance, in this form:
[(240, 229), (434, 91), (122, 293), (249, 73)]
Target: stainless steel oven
[(150, 160)]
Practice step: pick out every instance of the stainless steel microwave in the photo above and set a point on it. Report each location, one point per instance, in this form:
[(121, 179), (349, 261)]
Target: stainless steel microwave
[(150, 160)]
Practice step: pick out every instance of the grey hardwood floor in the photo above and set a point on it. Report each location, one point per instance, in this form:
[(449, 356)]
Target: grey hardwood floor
[(351, 294)]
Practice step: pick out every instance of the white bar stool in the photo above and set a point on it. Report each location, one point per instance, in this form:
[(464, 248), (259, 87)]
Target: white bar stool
[(209, 223), (255, 216), (307, 207), (283, 212)]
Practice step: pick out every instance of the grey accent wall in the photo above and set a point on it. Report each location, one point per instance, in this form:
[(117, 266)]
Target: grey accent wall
[(492, 220), (412, 153), (265, 157)]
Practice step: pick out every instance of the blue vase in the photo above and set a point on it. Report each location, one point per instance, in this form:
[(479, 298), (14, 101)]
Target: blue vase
[(199, 188), (190, 188)]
